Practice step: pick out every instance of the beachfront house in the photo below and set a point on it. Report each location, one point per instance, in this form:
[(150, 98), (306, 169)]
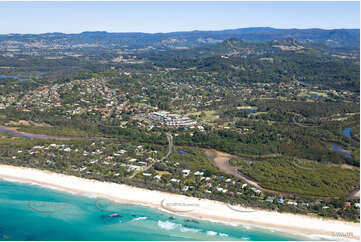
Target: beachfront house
[(185, 188), (186, 172), (292, 203), (134, 168), (198, 173)]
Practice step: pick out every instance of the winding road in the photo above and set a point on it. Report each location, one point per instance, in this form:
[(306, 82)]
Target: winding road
[(170, 150), (219, 159)]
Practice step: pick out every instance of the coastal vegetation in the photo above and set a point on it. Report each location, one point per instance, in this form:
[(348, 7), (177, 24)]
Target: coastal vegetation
[(308, 178), (278, 107)]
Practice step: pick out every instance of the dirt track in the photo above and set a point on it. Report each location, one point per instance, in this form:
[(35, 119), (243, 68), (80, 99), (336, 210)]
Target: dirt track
[(221, 160)]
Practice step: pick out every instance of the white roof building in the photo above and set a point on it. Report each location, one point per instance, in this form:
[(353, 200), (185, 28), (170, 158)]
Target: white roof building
[(199, 173)]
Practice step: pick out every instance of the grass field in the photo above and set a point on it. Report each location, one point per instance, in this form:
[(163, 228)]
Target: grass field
[(210, 116), (306, 94)]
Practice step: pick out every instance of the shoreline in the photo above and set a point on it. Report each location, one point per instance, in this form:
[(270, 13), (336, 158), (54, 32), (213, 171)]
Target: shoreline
[(298, 225)]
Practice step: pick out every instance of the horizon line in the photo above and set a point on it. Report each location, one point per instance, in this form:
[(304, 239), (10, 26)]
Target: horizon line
[(197, 30)]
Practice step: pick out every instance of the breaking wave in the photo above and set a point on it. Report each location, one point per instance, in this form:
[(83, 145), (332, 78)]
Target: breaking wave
[(168, 225), (211, 233), (140, 218)]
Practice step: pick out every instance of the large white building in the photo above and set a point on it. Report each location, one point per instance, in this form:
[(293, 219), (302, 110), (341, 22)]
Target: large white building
[(173, 120)]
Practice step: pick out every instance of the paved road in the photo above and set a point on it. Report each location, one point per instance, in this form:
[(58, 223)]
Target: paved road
[(170, 145)]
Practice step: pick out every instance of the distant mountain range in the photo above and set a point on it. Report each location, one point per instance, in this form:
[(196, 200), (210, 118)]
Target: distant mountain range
[(181, 40)]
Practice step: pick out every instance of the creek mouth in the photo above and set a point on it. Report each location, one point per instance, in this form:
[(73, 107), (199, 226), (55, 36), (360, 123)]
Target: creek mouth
[(341, 150)]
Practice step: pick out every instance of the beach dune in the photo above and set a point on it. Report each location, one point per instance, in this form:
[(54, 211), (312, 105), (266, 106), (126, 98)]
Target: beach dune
[(187, 206)]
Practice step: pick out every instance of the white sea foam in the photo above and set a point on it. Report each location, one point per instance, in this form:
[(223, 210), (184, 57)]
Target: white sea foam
[(168, 225), (247, 227), (211, 233), (89, 195), (140, 218), (189, 230), (223, 235)]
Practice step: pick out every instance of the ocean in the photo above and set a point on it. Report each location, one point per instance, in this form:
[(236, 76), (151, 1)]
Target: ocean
[(30, 212)]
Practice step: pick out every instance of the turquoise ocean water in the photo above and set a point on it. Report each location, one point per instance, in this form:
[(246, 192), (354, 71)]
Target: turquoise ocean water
[(29, 212)]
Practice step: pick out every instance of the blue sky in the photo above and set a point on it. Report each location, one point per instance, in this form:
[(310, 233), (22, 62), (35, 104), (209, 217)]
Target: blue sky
[(151, 17)]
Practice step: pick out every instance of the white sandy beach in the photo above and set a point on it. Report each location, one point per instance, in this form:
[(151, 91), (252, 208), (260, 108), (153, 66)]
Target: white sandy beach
[(193, 207)]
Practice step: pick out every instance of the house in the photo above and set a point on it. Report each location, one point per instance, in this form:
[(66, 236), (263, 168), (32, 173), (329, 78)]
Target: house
[(281, 201), (133, 167), (325, 207), (255, 190), (347, 204), (157, 177), (220, 189), (82, 168), (198, 173), (174, 180), (185, 188), (244, 185), (146, 174), (186, 172), (228, 180), (357, 205), (292, 203)]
